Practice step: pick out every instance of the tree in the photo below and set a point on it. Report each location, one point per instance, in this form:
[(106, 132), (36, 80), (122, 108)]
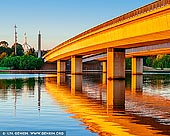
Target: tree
[(149, 62), (4, 44), (2, 55), (30, 62), (39, 63), (160, 61), (5, 49), (31, 51), (2, 49), (6, 62), (15, 62), (26, 62), (19, 49), (128, 63)]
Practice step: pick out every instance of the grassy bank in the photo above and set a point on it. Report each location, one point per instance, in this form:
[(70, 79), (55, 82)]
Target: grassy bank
[(5, 68)]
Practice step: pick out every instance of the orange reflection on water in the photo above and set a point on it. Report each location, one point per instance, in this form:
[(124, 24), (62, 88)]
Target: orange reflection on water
[(94, 115)]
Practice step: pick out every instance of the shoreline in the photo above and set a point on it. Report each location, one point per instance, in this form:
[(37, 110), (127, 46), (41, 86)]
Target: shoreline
[(29, 71), (68, 71)]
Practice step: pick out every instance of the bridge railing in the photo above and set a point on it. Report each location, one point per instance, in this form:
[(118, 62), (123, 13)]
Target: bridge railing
[(136, 12), (144, 9), (147, 8)]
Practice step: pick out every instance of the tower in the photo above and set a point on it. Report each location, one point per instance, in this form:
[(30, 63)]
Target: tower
[(39, 45), (15, 39)]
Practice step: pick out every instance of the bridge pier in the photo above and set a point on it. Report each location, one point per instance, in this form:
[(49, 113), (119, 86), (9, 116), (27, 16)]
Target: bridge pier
[(137, 71), (137, 82), (104, 66), (61, 78), (76, 74), (61, 66), (61, 69), (137, 65), (115, 78), (104, 78)]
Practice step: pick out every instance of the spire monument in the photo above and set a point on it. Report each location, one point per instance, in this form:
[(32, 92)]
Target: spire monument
[(15, 39), (39, 45)]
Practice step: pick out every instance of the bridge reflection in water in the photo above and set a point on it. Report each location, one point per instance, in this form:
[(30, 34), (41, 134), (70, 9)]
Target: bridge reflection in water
[(90, 107)]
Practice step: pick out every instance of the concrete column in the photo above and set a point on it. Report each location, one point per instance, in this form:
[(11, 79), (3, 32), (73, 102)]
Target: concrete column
[(104, 66), (61, 69), (116, 63), (61, 78), (137, 65), (115, 78), (137, 83), (76, 65), (61, 66), (76, 84), (76, 74), (104, 78), (116, 95)]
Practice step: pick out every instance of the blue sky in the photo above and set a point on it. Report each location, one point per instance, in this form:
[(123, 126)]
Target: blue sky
[(58, 20)]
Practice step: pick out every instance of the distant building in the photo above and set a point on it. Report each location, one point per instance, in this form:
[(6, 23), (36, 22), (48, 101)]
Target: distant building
[(26, 46)]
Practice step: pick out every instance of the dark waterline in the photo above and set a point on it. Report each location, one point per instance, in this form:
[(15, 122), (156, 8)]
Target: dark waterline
[(36, 102)]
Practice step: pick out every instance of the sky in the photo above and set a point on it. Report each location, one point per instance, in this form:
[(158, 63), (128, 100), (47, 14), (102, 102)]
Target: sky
[(57, 20)]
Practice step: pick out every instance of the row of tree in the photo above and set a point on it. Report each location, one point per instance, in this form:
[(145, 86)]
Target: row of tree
[(24, 62), (157, 61), (21, 60)]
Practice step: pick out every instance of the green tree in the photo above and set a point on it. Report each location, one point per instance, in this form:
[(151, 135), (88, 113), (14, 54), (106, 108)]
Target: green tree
[(30, 62), (5, 49), (9, 51), (26, 62), (128, 63), (19, 49), (39, 63), (161, 61), (2, 49), (149, 62), (4, 44), (6, 62), (15, 62)]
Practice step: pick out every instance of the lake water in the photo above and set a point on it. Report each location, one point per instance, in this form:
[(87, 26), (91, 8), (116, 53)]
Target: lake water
[(36, 102)]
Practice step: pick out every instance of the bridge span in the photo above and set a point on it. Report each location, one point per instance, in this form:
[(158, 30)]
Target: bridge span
[(144, 27)]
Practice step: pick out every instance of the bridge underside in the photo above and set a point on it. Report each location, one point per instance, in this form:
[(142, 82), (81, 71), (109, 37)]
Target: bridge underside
[(134, 52)]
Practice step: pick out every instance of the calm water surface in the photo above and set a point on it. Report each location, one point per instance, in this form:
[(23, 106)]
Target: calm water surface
[(34, 102)]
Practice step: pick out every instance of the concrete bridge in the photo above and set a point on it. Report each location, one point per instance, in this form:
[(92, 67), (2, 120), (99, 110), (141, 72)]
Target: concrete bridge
[(144, 27)]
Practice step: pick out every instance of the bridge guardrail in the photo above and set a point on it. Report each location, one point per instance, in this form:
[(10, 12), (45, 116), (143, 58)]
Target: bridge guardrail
[(139, 11)]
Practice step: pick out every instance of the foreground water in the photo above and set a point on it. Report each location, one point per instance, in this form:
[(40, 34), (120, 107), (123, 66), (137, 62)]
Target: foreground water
[(35, 102)]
